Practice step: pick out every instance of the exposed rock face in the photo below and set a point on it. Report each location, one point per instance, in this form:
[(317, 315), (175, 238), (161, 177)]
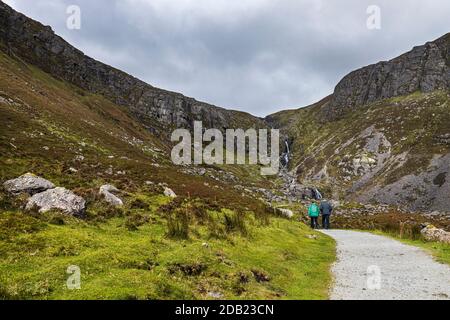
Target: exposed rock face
[(365, 166), (37, 44), (426, 191), (425, 68), (58, 199), (431, 233), (108, 192), (28, 183)]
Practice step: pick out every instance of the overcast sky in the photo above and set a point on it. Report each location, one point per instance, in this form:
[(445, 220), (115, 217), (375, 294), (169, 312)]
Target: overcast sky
[(258, 56)]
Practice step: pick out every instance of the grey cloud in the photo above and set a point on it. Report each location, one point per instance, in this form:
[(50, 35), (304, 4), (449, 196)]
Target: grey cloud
[(254, 55)]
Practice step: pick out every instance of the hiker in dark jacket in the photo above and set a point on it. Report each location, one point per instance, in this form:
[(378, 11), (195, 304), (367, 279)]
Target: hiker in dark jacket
[(326, 209)]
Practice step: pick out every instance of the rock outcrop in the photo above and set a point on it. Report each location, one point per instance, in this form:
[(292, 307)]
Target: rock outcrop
[(57, 199), (27, 183), (286, 213), (109, 193), (431, 233), (37, 44), (169, 193), (425, 191), (425, 68)]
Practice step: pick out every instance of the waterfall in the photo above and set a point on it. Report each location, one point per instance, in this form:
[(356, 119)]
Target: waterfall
[(318, 194), (287, 147), (287, 153)]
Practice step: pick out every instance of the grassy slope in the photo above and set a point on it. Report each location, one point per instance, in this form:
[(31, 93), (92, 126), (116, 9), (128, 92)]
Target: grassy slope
[(117, 263), (49, 114), (128, 253)]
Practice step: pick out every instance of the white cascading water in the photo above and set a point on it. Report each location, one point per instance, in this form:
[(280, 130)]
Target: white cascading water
[(318, 194), (288, 151)]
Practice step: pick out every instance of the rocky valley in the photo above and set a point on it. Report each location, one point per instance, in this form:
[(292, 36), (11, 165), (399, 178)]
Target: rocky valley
[(87, 179)]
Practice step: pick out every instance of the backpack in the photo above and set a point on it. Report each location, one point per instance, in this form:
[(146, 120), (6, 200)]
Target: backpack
[(313, 210)]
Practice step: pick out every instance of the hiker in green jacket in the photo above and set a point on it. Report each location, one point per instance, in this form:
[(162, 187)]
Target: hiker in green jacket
[(313, 213)]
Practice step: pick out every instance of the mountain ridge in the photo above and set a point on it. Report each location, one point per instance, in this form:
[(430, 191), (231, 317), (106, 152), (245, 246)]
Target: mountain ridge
[(340, 147), (425, 68), (39, 45)]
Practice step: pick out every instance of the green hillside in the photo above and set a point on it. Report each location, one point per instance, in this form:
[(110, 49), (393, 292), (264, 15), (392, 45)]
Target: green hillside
[(212, 241)]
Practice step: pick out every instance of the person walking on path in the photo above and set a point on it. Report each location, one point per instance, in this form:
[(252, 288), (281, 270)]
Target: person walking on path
[(313, 213), (326, 209)]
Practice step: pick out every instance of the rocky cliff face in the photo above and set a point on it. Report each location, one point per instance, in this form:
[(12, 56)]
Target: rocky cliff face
[(393, 151), (425, 68), (382, 136), (37, 44)]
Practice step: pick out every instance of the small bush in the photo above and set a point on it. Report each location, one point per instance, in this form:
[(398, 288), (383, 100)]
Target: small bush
[(180, 213), (57, 220), (263, 214), (191, 269), (55, 217), (109, 212), (234, 222), (243, 277), (64, 251), (12, 202), (138, 204), (13, 224), (178, 228), (409, 231), (133, 222), (260, 276), (217, 230)]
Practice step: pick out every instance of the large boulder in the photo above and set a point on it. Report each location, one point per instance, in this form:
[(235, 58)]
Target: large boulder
[(286, 213), (431, 233), (58, 199), (109, 193), (28, 183), (169, 193)]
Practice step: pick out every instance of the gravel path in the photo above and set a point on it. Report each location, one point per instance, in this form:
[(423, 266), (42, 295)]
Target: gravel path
[(405, 272)]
